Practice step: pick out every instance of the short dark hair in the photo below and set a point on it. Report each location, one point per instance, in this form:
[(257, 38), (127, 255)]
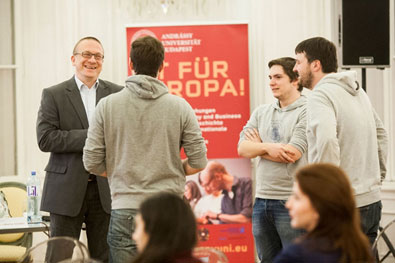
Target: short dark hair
[(319, 48), (86, 38), (287, 63), (147, 55), (170, 232)]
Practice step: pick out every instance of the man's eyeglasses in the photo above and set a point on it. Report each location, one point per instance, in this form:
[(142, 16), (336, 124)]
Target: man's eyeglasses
[(88, 55)]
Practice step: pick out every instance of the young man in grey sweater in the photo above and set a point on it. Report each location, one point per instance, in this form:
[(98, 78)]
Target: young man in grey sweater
[(135, 140), (342, 127), (276, 134)]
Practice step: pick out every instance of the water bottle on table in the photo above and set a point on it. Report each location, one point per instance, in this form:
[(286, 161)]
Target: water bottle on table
[(33, 199)]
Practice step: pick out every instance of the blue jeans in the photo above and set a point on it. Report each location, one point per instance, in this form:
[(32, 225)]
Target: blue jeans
[(370, 220), (271, 226), (119, 239)]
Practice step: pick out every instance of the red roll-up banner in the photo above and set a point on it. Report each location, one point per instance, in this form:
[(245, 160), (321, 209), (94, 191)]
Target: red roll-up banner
[(208, 66)]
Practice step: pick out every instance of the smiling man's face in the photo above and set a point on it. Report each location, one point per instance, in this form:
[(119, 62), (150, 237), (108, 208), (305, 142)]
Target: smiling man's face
[(87, 69)]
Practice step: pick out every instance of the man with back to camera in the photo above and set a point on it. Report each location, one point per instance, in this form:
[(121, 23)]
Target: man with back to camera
[(236, 204), (342, 126), (71, 194), (276, 133), (135, 139)]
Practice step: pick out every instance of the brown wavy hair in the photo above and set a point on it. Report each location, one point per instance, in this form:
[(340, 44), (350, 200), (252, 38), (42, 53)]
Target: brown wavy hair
[(195, 191), (330, 193)]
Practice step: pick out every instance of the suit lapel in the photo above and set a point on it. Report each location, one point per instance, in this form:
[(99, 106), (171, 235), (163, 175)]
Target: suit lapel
[(102, 91), (74, 96)]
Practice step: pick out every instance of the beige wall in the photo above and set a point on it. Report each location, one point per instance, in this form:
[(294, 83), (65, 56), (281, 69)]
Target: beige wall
[(7, 105)]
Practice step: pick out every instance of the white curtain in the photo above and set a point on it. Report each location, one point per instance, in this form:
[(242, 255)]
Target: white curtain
[(47, 30)]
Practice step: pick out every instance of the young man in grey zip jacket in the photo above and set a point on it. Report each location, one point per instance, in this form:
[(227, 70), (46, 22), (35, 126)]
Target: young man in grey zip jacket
[(277, 134), (342, 127)]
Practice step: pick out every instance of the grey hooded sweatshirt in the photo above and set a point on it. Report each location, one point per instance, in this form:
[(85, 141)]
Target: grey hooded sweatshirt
[(344, 129), (286, 125), (137, 135)]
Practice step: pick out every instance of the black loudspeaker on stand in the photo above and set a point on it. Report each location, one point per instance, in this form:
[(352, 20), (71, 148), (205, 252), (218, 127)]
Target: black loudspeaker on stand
[(364, 35)]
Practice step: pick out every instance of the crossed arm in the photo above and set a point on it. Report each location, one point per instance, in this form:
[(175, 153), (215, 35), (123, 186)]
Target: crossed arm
[(253, 146)]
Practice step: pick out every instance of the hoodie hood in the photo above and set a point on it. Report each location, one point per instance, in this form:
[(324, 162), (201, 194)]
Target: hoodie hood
[(347, 80), (146, 87), (300, 102)]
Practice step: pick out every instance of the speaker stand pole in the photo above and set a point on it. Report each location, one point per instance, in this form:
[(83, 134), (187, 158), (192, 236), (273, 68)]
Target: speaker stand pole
[(364, 79)]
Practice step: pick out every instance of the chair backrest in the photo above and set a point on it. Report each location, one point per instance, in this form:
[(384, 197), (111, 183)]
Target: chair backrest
[(383, 246), (210, 255), (16, 198), (58, 249), (15, 193)]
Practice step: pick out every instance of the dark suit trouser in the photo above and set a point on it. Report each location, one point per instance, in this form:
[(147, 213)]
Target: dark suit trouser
[(96, 221)]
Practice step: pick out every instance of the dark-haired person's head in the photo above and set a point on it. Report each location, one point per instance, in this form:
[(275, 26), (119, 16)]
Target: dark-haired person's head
[(310, 181), (323, 203), (165, 228), (315, 57), (192, 191), (319, 48), (287, 65), (146, 56)]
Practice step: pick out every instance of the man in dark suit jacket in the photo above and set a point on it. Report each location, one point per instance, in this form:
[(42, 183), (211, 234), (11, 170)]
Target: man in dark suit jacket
[(71, 194)]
